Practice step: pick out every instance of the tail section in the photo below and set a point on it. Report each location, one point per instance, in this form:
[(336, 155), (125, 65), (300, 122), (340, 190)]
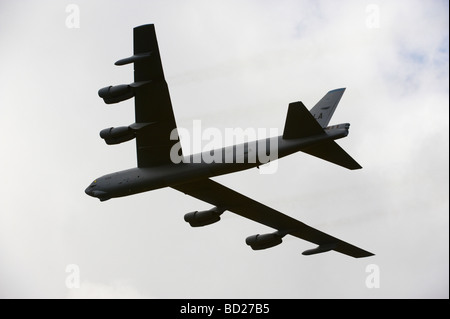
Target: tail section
[(324, 109), (301, 123), (330, 151)]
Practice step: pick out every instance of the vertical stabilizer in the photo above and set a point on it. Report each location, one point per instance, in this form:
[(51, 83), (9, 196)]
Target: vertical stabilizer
[(324, 109)]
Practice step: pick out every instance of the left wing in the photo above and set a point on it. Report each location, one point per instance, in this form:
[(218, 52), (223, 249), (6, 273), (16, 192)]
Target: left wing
[(226, 199), (153, 108)]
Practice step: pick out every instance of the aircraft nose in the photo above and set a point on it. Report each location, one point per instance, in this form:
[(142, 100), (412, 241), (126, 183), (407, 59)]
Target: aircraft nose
[(88, 191), (92, 190)]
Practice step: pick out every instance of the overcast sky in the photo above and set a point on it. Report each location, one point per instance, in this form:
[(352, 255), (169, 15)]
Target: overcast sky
[(229, 64)]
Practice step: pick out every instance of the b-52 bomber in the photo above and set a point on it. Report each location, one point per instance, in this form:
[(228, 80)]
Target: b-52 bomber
[(160, 162)]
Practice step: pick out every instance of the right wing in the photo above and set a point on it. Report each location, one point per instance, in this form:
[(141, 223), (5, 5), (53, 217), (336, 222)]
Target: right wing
[(216, 194)]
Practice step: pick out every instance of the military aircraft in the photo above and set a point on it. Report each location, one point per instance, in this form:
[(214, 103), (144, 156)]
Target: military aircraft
[(160, 162)]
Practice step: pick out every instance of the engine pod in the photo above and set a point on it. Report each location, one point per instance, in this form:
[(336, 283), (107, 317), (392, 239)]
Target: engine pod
[(203, 218), (264, 241), (117, 135), (117, 93)]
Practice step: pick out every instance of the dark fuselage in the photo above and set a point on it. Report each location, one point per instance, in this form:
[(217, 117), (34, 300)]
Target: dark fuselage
[(204, 165)]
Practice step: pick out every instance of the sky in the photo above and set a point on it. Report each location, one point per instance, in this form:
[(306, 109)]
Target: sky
[(228, 64)]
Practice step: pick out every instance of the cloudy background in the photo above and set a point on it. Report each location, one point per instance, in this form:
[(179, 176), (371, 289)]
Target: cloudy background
[(229, 64)]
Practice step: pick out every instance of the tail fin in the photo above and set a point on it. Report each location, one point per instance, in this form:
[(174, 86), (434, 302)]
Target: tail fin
[(302, 123), (324, 109)]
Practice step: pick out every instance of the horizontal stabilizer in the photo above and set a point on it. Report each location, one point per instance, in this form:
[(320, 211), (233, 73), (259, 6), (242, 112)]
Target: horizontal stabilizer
[(300, 122), (332, 152)]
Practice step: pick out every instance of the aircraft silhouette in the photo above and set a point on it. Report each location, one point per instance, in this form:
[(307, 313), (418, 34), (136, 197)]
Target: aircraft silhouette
[(160, 162)]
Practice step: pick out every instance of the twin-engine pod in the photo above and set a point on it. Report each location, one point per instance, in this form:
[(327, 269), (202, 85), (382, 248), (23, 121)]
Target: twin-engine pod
[(118, 93), (258, 242), (117, 135), (203, 218)]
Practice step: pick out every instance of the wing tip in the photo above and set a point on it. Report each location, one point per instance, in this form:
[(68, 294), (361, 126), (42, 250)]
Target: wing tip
[(337, 90), (364, 256), (145, 26)]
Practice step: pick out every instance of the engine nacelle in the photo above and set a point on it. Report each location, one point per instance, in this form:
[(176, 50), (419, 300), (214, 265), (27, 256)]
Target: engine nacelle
[(117, 93), (258, 242), (117, 135), (203, 218)]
